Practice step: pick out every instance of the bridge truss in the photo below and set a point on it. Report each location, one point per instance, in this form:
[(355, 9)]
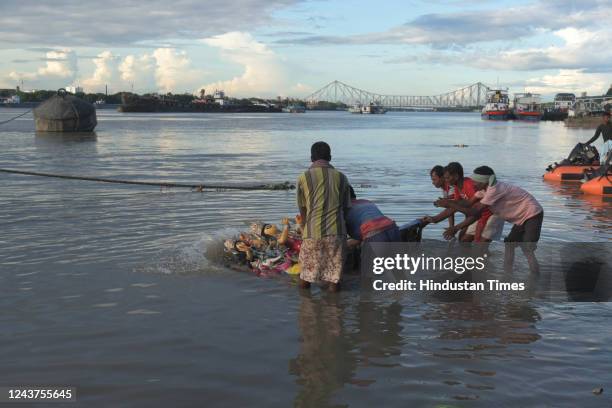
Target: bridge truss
[(473, 96)]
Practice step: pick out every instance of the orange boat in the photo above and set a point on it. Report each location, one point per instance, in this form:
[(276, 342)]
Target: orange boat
[(598, 186), (568, 173)]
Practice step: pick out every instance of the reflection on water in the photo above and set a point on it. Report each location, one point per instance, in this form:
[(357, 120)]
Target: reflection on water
[(326, 360)]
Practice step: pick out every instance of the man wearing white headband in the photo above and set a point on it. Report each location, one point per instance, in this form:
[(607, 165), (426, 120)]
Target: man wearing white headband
[(509, 202)]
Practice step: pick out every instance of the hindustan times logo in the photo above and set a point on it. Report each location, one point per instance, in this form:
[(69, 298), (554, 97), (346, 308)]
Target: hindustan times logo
[(411, 264)]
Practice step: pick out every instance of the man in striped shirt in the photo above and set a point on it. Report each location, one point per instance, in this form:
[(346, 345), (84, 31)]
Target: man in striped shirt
[(323, 198)]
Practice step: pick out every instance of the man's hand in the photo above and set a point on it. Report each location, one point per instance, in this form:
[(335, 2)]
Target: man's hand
[(427, 220), (352, 243), (449, 233), (442, 202)]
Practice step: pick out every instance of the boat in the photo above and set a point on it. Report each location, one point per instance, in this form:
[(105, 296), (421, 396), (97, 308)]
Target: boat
[(295, 109), (65, 113), (374, 108), (564, 102), (356, 109), (581, 160), (527, 106), (568, 173), (497, 107), (217, 103), (601, 185)]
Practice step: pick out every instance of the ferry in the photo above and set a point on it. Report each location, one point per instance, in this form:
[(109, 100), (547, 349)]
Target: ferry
[(374, 108), (564, 101), (527, 106), (497, 107)]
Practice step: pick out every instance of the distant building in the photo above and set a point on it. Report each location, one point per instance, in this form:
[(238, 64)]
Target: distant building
[(74, 89), (10, 99)]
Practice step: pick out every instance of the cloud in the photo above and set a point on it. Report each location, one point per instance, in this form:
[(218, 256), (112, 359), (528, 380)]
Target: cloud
[(173, 71), (444, 30), (264, 72), (572, 80), (60, 65), (138, 72), (580, 51), (105, 73), (164, 70), (117, 22)]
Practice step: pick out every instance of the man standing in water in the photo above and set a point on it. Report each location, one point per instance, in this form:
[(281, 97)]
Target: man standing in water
[(605, 130), (510, 203), (323, 198)]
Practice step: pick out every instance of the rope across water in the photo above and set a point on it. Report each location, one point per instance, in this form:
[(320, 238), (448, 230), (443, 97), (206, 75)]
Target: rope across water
[(16, 117), (198, 187)]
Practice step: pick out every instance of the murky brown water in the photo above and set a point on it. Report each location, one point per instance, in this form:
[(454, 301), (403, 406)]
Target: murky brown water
[(107, 287)]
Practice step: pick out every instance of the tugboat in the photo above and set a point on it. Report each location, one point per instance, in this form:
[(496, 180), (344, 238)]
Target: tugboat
[(374, 108), (527, 106), (497, 107)]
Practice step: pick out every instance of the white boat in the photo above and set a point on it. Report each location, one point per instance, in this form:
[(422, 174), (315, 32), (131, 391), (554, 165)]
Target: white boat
[(498, 105), (371, 109), (564, 102), (527, 106), (356, 109)]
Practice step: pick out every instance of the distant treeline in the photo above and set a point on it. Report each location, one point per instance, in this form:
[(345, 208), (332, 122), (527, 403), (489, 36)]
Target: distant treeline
[(181, 99)]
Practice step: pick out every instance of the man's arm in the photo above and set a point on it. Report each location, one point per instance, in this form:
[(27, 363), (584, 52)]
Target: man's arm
[(597, 133), (474, 202), (474, 210), (303, 214)]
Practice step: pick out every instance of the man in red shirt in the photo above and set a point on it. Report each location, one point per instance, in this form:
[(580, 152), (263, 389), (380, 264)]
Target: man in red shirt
[(464, 192)]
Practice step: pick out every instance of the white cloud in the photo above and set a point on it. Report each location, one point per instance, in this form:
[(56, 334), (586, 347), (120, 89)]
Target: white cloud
[(264, 73), (569, 80), (60, 65), (105, 73), (173, 70), (581, 49), (138, 71)]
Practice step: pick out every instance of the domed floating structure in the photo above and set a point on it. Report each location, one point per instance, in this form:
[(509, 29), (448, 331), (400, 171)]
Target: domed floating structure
[(65, 113)]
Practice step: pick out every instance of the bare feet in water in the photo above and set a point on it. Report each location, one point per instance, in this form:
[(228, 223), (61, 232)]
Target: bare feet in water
[(304, 284)]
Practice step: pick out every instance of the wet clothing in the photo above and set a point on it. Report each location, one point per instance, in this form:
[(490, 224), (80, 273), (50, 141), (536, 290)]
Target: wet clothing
[(491, 230), (324, 192), (528, 233), (322, 259), (466, 192), (391, 234), (511, 203), (364, 220)]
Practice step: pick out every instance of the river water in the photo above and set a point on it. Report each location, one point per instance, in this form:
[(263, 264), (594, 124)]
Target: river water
[(114, 290)]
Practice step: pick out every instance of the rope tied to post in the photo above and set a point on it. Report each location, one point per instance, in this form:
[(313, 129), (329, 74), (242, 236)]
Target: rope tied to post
[(199, 187)]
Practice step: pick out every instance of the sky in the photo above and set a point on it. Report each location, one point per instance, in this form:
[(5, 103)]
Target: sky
[(272, 48)]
